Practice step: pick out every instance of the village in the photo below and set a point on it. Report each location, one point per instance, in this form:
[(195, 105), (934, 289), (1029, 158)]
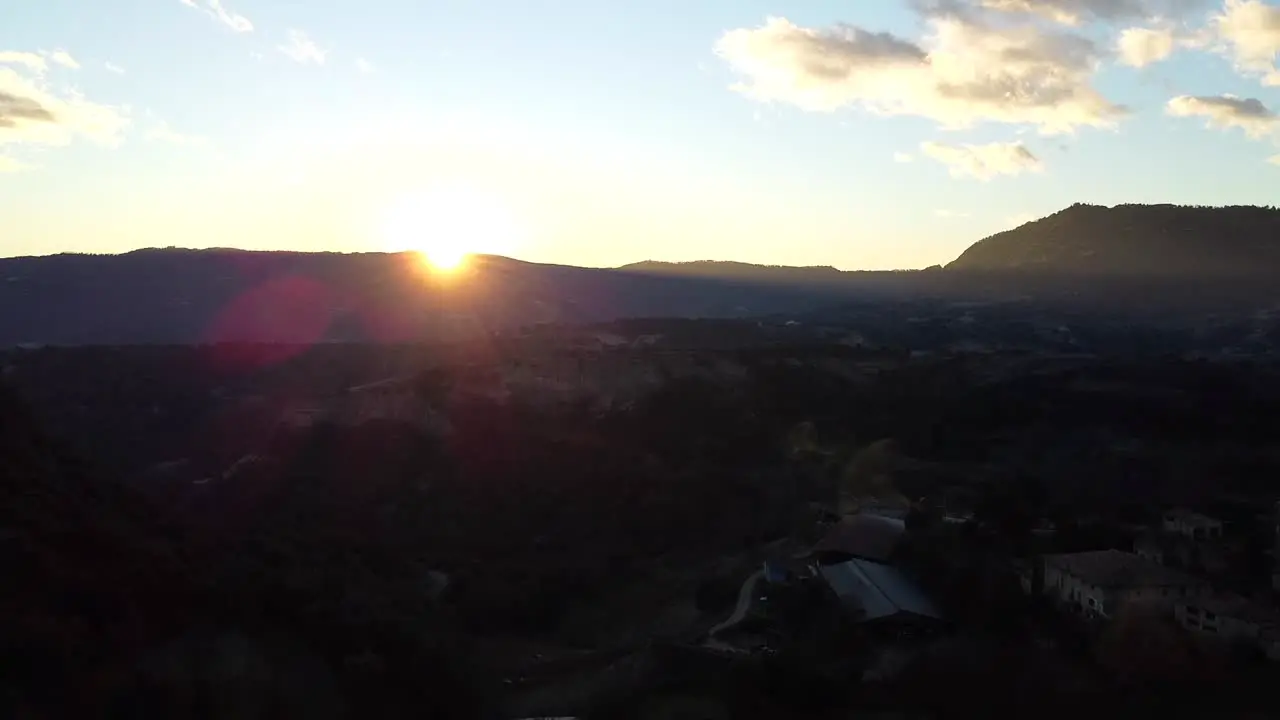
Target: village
[(857, 612)]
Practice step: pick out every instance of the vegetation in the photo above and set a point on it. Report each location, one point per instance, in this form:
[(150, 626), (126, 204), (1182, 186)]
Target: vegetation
[(1138, 241)]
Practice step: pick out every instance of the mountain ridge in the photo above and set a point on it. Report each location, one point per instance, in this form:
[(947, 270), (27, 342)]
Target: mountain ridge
[(1157, 240), (1107, 256)]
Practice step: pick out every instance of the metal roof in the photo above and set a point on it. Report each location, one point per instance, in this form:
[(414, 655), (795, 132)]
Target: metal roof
[(864, 535), (877, 591)]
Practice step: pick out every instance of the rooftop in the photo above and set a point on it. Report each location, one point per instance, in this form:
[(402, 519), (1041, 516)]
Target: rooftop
[(865, 535), (1117, 569), (877, 591)]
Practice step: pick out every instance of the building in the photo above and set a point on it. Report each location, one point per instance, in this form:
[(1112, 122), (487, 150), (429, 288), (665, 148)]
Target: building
[(1191, 524), (1231, 619), (873, 592), (1098, 583), (864, 536)]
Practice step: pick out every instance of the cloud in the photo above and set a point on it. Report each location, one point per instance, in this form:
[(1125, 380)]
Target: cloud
[(1071, 12), (1274, 159), (364, 66), (944, 213), (1079, 12), (965, 72), (216, 10), (1142, 46), (163, 133), (1228, 111), (983, 161), (33, 114), (1250, 32), (902, 157), (112, 67), (63, 58), (31, 61), (302, 49)]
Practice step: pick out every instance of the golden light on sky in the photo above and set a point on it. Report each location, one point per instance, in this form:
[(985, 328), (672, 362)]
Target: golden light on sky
[(446, 225)]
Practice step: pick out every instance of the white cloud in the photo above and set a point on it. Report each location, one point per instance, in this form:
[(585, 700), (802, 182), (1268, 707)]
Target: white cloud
[(902, 157), (964, 72), (1250, 31), (31, 61), (364, 66), (1228, 111), (302, 49), (983, 161), (163, 133), (216, 10), (112, 67), (63, 58), (1142, 46), (32, 114)]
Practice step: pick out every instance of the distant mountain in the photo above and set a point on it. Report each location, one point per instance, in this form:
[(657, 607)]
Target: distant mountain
[(1145, 241), (1130, 257), (192, 296), (729, 270)]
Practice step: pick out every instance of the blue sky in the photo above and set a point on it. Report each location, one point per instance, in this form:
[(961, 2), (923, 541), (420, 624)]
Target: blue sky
[(863, 135)]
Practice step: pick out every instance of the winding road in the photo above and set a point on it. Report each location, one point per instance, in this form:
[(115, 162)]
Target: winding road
[(745, 594)]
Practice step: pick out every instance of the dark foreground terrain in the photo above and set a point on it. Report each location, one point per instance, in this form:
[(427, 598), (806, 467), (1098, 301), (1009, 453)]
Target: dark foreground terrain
[(541, 523)]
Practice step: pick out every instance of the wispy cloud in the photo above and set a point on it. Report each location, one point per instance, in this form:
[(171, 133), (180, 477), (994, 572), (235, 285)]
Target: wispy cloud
[(31, 61), (902, 157), (983, 161), (63, 58), (302, 49), (216, 10), (32, 114), (364, 65), (112, 67), (1228, 111)]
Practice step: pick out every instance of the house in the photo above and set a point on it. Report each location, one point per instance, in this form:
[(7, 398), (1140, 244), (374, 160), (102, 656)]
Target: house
[(878, 593), (1231, 619), (1191, 524), (1098, 583)]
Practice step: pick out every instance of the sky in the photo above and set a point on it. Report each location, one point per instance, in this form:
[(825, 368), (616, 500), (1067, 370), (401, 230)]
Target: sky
[(864, 135)]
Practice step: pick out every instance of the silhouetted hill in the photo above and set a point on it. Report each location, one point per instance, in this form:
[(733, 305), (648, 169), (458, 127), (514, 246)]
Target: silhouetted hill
[(187, 296), (1144, 241), (1134, 258), (729, 270)]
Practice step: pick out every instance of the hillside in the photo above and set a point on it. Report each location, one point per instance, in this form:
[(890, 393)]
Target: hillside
[(191, 296), (1145, 241), (740, 271)]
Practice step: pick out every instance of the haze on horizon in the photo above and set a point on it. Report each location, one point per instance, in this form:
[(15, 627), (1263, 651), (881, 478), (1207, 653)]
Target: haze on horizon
[(886, 135)]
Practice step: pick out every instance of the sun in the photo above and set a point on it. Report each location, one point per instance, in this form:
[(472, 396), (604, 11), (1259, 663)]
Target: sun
[(447, 225)]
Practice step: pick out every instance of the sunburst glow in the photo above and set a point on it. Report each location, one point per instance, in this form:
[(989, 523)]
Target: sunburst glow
[(449, 225)]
